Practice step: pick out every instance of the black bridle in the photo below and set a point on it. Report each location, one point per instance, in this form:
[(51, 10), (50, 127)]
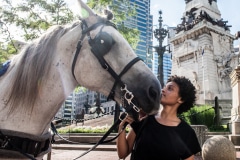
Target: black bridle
[(101, 44)]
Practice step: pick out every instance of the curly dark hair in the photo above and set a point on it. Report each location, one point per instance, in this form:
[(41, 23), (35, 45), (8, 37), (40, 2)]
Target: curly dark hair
[(187, 92)]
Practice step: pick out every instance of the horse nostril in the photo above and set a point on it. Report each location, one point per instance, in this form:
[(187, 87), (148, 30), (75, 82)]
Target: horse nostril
[(153, 93)]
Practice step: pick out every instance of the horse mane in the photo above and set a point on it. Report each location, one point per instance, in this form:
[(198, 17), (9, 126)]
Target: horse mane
[(33, 64)]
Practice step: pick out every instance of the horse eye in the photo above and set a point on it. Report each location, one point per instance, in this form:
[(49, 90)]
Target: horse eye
[(102, 43)]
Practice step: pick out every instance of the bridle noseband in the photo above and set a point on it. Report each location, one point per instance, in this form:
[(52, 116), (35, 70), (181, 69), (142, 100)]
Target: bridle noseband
[(100, 45)]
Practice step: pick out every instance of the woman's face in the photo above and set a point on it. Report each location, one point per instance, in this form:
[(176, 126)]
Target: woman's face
[(170, 94)]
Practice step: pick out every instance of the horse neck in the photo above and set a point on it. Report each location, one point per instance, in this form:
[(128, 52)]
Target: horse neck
[(58, 85), (54, 89)]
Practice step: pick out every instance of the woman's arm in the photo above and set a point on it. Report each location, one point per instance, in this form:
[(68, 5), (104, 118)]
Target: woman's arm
[(190, 158), (125, 142)]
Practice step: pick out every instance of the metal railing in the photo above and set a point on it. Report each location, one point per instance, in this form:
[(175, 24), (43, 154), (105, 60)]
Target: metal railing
[(201, 132)]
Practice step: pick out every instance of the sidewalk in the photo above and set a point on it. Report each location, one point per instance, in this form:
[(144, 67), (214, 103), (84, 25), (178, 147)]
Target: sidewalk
[(102, 152), (73, 151), (73, 154)]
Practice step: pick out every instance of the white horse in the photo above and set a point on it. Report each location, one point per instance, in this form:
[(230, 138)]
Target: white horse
[(46, 71)]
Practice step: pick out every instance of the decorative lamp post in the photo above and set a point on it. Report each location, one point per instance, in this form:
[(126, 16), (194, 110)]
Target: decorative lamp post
[(160, 34), (86, 105), (98, 104)]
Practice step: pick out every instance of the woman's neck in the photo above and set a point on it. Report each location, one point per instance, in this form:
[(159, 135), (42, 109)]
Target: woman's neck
[(168, 117)]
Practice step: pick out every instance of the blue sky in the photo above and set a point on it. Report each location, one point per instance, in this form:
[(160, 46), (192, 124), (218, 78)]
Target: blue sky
[(173, 12)]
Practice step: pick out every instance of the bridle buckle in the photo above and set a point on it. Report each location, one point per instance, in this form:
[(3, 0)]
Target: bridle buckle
[(128, 96), (123, 116), (5, 142), (136, 108)]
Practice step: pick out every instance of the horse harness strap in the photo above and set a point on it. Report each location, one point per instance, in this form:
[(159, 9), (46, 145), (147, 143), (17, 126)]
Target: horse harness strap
[(118, 77), (25, 146), (85, 30), (79, 45)]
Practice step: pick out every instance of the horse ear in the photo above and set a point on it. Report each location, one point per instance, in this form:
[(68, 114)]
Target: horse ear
[(85, 10), (109, 14)]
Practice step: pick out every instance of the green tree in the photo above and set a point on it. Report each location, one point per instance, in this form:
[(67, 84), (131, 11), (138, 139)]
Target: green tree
[(33, 17), (4, 53), (6, 49), (28, 19)]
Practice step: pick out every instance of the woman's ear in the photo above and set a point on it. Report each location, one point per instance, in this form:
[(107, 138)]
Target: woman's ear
[(180, 101)]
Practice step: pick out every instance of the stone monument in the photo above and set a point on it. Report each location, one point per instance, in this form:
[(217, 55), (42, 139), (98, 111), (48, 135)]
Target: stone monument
[(235, 112), (203, 50)]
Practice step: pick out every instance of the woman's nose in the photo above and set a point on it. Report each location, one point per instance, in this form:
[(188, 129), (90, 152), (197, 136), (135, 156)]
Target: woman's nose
[(163, 90)]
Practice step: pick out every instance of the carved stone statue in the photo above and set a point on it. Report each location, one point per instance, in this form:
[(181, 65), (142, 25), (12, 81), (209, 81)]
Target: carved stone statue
[(223, 65), (210, 1), (195, 81), (187, 1), (191, 19), (237, 35)]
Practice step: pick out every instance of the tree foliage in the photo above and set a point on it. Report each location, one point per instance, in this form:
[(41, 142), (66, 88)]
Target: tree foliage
[(28, 19), (33, 17)]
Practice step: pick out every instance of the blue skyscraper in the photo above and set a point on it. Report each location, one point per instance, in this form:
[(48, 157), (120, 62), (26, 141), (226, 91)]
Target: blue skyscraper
[(167, 66), (143, 22)]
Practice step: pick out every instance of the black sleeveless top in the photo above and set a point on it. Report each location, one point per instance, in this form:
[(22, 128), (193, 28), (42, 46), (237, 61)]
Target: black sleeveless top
[(160, 142)]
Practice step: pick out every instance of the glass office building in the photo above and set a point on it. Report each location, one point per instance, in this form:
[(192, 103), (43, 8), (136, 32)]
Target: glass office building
[(143, 21), (167, 66)]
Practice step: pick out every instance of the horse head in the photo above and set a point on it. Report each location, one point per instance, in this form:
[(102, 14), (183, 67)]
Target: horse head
[(105, 43)]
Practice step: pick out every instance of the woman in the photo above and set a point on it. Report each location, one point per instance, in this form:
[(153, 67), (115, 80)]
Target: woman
[(163, 136)]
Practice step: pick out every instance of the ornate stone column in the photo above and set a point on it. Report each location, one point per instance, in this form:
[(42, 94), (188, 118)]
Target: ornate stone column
[(235, 112)]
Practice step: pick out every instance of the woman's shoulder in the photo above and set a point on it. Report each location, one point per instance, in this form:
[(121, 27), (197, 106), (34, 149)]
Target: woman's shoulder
[(185, 129), (137, 125), (183, 124)]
